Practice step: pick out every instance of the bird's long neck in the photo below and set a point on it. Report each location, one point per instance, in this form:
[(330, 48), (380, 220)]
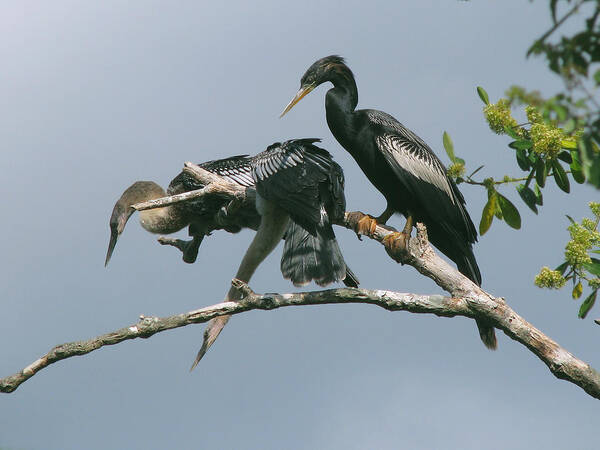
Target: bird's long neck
[(340, 103), (272, 226), (163, 220)]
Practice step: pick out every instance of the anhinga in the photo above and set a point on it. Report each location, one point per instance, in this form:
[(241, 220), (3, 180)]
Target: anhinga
[(197, 214), (299, 183), (300, 193), (402, 167)]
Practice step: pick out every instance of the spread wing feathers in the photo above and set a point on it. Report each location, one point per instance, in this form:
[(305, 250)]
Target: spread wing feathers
[(235, 168), (304, 181)]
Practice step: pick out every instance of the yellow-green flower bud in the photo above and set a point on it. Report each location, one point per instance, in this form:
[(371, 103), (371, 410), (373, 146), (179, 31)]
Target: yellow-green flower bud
[(588, 224), (594, 283), (546, 139), (498, 116), (533, 115), (595, 207), (456, 170), (548, 278), (576, 253)]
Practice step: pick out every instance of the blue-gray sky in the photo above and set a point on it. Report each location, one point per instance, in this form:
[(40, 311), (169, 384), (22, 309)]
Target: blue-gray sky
[(96, 95)]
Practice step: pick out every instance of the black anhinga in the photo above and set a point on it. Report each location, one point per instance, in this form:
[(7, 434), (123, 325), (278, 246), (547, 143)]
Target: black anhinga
[(402, 167), (299, 183)]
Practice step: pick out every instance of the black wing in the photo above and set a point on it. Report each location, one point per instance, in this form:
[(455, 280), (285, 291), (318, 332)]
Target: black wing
[(303, 180), (235, 168), (423, 175)]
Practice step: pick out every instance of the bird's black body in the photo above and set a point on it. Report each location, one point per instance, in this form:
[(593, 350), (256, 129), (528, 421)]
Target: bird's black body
[(400, 165), (413, 180), (304, 181)]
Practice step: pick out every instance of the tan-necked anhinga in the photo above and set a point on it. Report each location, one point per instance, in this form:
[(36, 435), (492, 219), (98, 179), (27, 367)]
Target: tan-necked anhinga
[(402, 167), (198, 214), (300, 193)]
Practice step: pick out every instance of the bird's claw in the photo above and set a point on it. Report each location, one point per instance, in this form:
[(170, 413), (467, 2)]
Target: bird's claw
[(365, 224), (396, 245)]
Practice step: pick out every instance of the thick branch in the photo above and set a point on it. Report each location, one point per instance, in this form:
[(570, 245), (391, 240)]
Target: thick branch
[(562, 363), (148, 326)]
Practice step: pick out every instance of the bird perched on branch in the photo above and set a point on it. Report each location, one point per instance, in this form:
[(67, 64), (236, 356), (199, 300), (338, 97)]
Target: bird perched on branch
[(402, 167), (199, 214), (300, 192)]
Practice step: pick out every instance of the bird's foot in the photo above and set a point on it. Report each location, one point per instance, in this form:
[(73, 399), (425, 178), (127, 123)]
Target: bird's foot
[(364, 224), (188, 248), (396, 245)]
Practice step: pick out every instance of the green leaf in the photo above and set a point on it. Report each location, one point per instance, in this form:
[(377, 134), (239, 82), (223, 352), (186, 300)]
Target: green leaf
[(540, 172), (510, 212), (570, 218), (577, 172), (597, 77), (562, 268), (578, 176), (459, 160), (568, 144), (522, 160), (487, 215), (593, 267), (511, 132), (521, 144), (528, 197), (449, 146), (577, 291), (560, 176), (539, 198), (483, 95), (587, 304), (566, 157)]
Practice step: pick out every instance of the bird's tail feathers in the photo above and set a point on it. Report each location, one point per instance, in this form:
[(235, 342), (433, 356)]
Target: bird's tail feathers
[(307, 257), (487, 334), (467, 265)]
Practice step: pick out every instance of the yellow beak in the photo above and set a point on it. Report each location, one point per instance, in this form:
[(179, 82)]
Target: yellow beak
[(301, 93)]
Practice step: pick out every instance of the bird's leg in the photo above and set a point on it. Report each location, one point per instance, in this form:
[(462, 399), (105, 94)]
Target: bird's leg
[(385, 215), (272, 228), (398, 242), (188, 248)]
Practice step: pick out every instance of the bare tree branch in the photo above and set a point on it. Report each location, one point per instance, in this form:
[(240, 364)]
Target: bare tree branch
[(561, 363), (213, 184), (467, 299)]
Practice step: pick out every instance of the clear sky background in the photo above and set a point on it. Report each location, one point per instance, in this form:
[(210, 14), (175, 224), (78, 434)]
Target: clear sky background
[(96, 95)]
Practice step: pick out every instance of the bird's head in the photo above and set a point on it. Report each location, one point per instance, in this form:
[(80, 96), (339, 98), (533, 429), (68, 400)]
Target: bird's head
[(140, 191), (331, 68)]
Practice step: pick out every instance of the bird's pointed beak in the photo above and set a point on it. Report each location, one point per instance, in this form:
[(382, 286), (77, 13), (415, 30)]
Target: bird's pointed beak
[(114, 236), (299, 96), (118, 220)]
